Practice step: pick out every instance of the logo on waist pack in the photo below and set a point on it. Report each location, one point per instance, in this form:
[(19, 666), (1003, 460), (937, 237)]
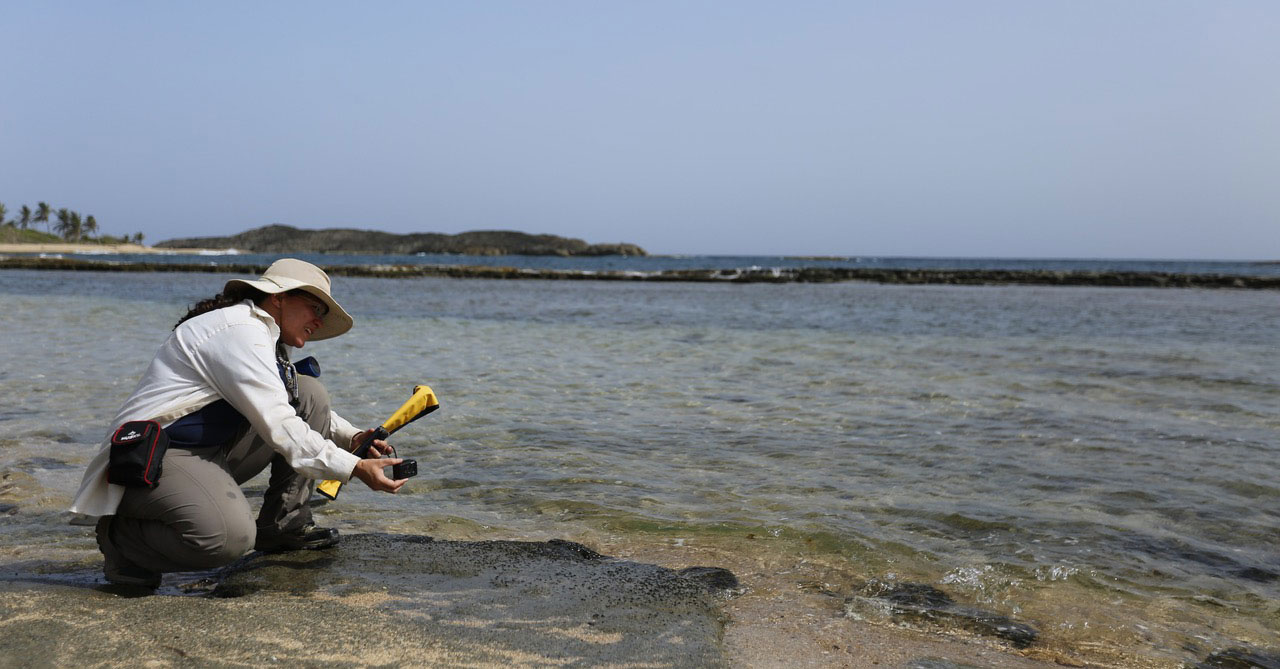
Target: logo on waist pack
[(133, 434)]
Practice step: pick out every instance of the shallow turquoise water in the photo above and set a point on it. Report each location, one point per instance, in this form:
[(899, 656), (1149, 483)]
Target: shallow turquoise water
[(1099, 461)]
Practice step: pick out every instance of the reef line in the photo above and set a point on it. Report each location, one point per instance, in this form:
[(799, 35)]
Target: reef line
[(962, 277)]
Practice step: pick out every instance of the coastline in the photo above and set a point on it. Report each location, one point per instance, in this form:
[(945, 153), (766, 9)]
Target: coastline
[(90, 249), (483, 603)]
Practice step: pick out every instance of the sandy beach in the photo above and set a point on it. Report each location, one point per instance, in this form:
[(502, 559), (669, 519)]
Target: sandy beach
[(93, 249)]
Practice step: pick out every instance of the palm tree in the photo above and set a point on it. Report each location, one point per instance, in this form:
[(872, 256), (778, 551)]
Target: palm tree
[(137, 238), (63, 227), (42, 214), (24, 217), (90, 226), (77, 227), (3, 212)]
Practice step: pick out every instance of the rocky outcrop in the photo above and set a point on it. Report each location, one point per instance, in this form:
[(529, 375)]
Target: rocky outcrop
[(374, 600), (887, 276), (287, 239)]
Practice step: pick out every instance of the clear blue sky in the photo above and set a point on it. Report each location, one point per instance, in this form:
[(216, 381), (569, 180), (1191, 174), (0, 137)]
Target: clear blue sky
[(1075, 128)]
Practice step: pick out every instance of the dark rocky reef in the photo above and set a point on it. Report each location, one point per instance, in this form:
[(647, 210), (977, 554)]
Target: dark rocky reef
[(980, 277), (287, 239), (801, 275), (374, 600)]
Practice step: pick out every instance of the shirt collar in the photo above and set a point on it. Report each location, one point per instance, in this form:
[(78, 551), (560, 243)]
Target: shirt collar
[(262, 315)]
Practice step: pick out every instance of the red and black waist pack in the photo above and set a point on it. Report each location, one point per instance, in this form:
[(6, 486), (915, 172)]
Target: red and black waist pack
[(137, 452)]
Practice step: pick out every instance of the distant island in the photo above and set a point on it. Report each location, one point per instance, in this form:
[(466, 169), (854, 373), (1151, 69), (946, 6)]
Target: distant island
[(288, 239)]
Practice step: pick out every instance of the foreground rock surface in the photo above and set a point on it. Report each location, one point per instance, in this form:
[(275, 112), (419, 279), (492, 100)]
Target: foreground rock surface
[(389, 600)]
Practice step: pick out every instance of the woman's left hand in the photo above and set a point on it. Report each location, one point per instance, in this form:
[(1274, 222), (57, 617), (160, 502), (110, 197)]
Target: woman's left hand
[(377, 449)]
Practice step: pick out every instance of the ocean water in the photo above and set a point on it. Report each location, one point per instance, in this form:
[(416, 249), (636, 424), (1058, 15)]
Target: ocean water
[(1097, 462)]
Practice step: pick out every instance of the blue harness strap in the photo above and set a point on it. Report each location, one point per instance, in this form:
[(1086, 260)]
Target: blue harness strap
[(213, 425), (218, 423)]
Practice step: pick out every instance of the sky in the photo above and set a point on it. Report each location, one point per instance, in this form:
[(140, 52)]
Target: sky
[(1046, 128)]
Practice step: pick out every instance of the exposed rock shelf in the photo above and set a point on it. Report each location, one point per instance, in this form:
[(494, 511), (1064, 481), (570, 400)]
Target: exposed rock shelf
[(797, 275)]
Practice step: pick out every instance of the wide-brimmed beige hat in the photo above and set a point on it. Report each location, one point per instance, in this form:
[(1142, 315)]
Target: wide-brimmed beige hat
[(288, 274)]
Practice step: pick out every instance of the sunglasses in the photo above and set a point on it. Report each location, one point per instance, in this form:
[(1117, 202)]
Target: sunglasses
[(319, 308)]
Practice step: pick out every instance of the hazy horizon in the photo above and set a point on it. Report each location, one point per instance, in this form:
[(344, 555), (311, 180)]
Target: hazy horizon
[(992, 129)]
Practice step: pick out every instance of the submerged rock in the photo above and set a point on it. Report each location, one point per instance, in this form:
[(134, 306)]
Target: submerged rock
[(936, 663), (715, 579), (1241, 658), (920, 602)]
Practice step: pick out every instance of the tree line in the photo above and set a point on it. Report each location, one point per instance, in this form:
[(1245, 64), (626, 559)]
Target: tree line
[(63, 222)]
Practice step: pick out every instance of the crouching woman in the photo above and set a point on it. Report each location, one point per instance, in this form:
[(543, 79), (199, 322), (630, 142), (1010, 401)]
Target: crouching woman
[(231, 403)]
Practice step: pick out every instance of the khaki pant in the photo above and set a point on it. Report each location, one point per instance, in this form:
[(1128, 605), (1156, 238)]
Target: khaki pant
[(197, 517)]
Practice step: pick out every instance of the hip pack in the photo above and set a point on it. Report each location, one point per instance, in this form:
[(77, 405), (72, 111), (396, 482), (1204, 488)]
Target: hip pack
[(137, 453)]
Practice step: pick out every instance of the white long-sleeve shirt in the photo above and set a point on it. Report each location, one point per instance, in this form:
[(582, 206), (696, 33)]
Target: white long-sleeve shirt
[(229, 354)]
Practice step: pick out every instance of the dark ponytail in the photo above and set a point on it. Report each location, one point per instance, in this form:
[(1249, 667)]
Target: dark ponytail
[(232, 296)]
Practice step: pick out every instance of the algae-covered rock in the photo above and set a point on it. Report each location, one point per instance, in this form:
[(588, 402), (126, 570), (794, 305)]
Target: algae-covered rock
[(377, 600), (1241, 658), (714, 579), (923, 603)]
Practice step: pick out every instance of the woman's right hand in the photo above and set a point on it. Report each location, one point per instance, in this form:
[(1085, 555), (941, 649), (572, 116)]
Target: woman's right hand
[(369, 471)]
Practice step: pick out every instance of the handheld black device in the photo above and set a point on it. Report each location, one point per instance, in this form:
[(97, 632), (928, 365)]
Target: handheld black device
[(420, 404), (406, 469)]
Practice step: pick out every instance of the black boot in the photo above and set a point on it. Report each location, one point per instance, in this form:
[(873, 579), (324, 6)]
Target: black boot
[(309, 537), (116, 567)]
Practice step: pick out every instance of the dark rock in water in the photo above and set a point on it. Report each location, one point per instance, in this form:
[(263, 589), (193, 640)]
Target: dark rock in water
[(800, 275), (936, 663), (552, 588), (1019, 634), (923, 602), (34, 464), (1241, 658), (1257, 575), (918, 596), (716, 579), (560, 547)]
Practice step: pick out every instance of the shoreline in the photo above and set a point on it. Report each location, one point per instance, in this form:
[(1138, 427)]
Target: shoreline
[(977, 277), (90, 249), (527, 603)]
